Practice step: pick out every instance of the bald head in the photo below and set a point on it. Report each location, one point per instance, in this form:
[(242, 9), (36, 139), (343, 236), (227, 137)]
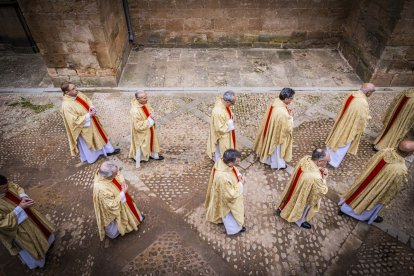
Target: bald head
[(368, 88), (406, 147), (108, 169)]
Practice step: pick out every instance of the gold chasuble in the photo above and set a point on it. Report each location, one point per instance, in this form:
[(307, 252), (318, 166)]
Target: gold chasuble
[(384, 177), (305, 187), (108, 206), (218, 130), (224, 194), (142, 136), (74, 111), (32, 234), (276, 129), (350, 123), (398, 120)]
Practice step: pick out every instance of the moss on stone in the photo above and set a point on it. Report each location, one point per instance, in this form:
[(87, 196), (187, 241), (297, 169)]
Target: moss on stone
[(23, 102)]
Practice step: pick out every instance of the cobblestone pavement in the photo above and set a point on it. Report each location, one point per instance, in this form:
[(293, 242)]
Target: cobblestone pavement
[(175, 238)]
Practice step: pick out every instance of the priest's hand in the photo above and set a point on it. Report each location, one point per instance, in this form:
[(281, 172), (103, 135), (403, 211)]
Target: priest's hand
[(124, 187), (26, 203), (92, 111), (324, 173), (290, 111)]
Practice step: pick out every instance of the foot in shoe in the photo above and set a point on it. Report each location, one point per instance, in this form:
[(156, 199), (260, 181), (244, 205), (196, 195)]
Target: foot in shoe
[(116, 151), (341, 213), (374, 147), (378, 219), (306, 225), (142, 218), (277, 212), (283, 168), (242, 230), (133, 159), (160, 157)]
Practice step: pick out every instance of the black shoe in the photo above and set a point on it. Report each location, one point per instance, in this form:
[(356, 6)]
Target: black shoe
[(143, 218), (277, 212), (280, 169), (160, 157), (341, 213), (374, 147), (306, 225), (378, 219), (242, 230), (133, 159), (116, 151)]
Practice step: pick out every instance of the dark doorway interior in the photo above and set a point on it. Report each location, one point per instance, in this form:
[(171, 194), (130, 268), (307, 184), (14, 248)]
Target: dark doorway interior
[(14, 34)]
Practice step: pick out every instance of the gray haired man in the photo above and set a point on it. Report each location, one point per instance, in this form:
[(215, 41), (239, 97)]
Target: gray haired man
[(222, 134)]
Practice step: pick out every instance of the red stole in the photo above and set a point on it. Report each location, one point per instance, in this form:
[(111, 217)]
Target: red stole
[(267, 123), (129, 201), (94, 119), (233, 133), (291, 189), (16, 201), (347, 104), (400, 106), (366, 181), (146, 112)]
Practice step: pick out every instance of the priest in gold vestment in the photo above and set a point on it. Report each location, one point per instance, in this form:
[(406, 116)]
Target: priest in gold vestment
[(144, 138), (116, 212), (384, 177), (86, 134), (398, 120), (224, 199), (301, 198), (349, 125), (274, 141), (222, 134), (23, 230)]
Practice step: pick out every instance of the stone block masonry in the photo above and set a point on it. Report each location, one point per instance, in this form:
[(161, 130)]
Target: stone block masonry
[(85, 41), (246, 23)]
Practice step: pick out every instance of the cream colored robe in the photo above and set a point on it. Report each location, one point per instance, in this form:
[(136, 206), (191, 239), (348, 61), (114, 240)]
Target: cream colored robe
[(218, 130), (279, 132), (74, 116), (224, 194), (385, 185), (352, 124), (140, 131), (309, 189), (393, 132), (27, 234), (108, 206)]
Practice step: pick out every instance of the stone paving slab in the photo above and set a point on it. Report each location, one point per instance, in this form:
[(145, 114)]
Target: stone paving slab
[(171, 192), (214, 67)]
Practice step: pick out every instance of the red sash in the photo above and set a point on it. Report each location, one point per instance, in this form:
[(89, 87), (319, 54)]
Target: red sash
[(128, 200), (145, 109), (291, 189), (348, 102), (267, 123), (94, 119), (46, 232), (233, 133), (400, 106), (366, 181)]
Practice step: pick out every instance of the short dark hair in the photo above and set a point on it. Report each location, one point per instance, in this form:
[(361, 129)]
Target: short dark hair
[(65, 86), (230, 156), (3, 180), (286, 93), (318, 154)]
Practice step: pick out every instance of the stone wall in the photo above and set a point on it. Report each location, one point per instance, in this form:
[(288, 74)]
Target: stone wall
[(82, 41), (239, 23), (378, 41)]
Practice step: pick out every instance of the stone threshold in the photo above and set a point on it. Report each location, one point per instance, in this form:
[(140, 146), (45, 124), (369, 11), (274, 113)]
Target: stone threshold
[(197, 90)]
